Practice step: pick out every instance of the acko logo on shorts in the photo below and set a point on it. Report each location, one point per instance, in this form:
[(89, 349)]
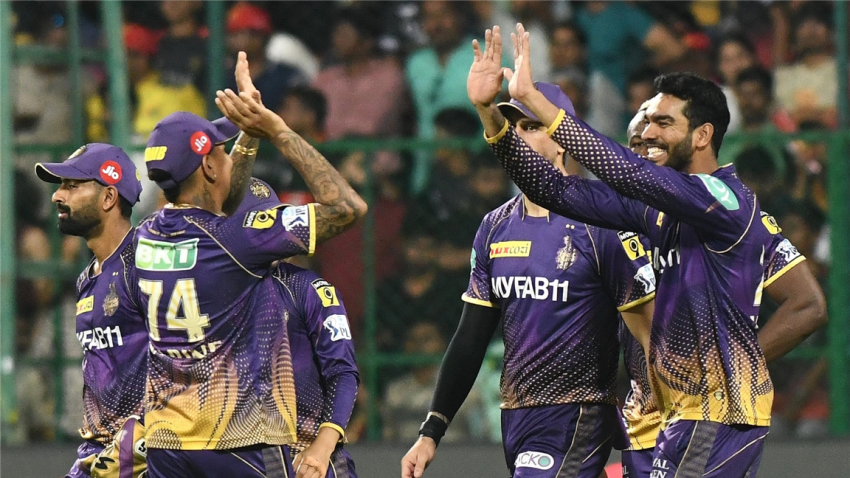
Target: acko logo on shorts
[(534, 459)]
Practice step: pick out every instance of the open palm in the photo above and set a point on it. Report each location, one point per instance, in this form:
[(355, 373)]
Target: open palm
[(520, 83), (485, 76)]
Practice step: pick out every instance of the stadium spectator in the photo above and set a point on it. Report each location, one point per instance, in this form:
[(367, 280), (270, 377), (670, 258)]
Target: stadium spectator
[(735, 54), (182, 55), (760, 169), (810, 163), (618, 37), (568, 57), (365, 93), (808, 89), (639, 88), (248, 29)]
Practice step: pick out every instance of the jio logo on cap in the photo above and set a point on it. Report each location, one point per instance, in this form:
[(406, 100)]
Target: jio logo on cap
[(110, 172), (200, 142)]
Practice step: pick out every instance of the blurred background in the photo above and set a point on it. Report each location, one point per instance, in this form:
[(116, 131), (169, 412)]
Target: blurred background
[(380, 88)]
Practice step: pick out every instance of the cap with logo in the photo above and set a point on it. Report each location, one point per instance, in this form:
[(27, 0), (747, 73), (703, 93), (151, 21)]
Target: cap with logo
[(179, 142), (515, 111), (107, 164)]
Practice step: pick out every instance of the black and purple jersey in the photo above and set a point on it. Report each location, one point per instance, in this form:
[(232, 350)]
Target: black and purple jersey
[(220, 374), (708, 252), (559, 284), (114, 338)]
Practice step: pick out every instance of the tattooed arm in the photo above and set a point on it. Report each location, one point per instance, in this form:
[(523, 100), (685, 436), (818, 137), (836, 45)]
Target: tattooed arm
[(243, 154)]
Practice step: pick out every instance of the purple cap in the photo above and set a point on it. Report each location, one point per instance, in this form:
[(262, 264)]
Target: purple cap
[(179, 143), (259, 196), (514, 110), (108, 165)]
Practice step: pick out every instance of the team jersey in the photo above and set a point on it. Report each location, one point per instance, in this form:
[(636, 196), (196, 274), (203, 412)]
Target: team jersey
[(326, 376), (640, 410), (220, 375), (708, 256), (559, 284), (112, 332)]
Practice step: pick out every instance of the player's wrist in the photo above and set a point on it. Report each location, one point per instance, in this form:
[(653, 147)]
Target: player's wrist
[(434, 427)]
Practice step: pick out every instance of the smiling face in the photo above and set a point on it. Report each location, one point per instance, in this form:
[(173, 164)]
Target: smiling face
[(668, 135), (634, 132), (77, 203)]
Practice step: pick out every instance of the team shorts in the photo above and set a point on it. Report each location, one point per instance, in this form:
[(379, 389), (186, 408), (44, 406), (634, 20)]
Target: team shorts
[(637, 463), (252, 461)]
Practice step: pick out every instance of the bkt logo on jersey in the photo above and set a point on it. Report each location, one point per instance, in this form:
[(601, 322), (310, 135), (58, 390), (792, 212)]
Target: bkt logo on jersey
[(533, 459), (337, 325), (166, 256), (538, 288)]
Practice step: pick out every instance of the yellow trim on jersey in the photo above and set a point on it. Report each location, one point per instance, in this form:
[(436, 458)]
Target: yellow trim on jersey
[(311, 208), (472, 300), (334, 426), (785, 269), (558, 120), (635, 303), (500, 135)]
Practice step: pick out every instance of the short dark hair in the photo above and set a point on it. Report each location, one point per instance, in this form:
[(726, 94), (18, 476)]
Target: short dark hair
[(756, 74), (364, 20), (820, 12), (172, 194), (573, 27), (126, 207), (313, 99), (458, 121), (704, 102)]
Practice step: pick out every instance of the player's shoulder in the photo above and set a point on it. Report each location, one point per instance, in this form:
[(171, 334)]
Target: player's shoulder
[(298, 280), (498, 216)]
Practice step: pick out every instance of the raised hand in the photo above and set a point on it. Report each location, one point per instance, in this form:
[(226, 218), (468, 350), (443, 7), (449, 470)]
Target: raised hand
[(243, 77), (485, 75), (520, 84), (248, 113)]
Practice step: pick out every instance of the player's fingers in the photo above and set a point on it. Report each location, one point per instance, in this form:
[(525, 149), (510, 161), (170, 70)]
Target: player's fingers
[(476, 50), (225, 104), (239, 104), (526, 44), (488, 38), (497, 44), (508, 73), (419, 469), (514, 40), (250, 102)]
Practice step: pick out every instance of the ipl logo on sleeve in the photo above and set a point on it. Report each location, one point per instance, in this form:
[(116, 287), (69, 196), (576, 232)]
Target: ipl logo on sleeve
[(337, 325), (295, 216), (646, 277)]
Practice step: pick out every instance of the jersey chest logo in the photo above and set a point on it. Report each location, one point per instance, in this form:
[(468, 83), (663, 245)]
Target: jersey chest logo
[(566, 256), (111, 302)]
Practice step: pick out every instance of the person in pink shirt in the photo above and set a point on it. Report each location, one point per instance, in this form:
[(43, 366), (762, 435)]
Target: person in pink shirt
[(365, 93)]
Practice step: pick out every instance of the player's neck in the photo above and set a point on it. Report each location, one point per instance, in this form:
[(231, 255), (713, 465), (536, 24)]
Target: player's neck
[(108, 239), (200, 197), (702, 163), (533, 210)]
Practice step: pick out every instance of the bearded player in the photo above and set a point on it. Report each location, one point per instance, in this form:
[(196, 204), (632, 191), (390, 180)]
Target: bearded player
[(98, 186), (221, 395)]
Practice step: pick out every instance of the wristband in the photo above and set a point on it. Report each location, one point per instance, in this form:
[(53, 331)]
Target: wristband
[(434, 427)]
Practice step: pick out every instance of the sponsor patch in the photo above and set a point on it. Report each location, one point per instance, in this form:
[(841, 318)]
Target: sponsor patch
[(200, 142), (646, 277), (533, 459), (139, 448), (770, 223), (788, 251), (720, 191), (85, 305), (510, 249), (326, 292), (566, 255), (293, 217), (632, 245), (155, 153), (110, 172), (166, 256), (110, 303), (337, 325), (260, 219)]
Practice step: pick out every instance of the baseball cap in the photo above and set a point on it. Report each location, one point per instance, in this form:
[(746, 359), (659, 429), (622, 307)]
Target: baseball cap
[(179, 142), (244, 16), (514, 110), (140, 39), (107, 164)]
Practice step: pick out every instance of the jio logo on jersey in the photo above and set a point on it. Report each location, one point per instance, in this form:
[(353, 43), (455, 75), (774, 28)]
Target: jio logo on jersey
[(337, 325), (200, 143), (533, 459), (110, 172)]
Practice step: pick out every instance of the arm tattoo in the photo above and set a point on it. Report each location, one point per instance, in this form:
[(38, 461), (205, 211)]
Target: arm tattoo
[(339, 205), (243, 153)]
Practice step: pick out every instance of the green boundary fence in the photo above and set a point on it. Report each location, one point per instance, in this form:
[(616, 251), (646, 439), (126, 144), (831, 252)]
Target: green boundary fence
[(837, 350)]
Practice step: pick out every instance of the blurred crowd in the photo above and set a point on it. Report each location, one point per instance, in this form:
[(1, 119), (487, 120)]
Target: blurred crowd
[(381, 70)]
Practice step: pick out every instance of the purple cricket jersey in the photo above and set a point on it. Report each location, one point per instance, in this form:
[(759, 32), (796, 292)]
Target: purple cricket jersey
[(220, 375), (643, 420), (708, 253), (114, 338), (559, 284), (326, 376)]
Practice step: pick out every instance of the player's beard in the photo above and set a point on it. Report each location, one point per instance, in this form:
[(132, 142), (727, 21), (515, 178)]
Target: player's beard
[(680, 155), (80, 221)]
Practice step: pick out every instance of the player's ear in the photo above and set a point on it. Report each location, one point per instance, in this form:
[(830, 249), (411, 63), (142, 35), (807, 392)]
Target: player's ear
[(110, 198), (702, 136), (209, 166)]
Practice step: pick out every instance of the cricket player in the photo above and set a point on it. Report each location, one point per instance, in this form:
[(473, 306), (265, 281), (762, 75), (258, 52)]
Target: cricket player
[(326, 376), (709, 373), (221, 398), (557, 286), (802, 309), (98, 187)]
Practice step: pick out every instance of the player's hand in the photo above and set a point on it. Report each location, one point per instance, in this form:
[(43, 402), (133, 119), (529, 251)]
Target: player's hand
[(420, 455), (243, 77), (520, 84), (249, 114), (485, 76), (312, 462)]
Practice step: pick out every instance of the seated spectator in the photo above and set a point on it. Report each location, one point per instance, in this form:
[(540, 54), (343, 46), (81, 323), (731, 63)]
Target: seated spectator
[(619, 35), (182, 55), (248, 29), (407, 396), (437, 73), (734, 55), (808, 89), (365, 93)]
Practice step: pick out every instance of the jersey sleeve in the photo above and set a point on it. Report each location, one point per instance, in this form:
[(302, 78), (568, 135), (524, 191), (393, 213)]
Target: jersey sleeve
[(703, 201), (478, 292), (625, 268), (780, 255), (588, 201), (330, 334)]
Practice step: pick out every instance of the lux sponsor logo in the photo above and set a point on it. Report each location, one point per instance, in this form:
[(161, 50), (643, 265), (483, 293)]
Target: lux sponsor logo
[(100, 338), (660, 262), (510, 249), (660, 468), (538, 288)]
